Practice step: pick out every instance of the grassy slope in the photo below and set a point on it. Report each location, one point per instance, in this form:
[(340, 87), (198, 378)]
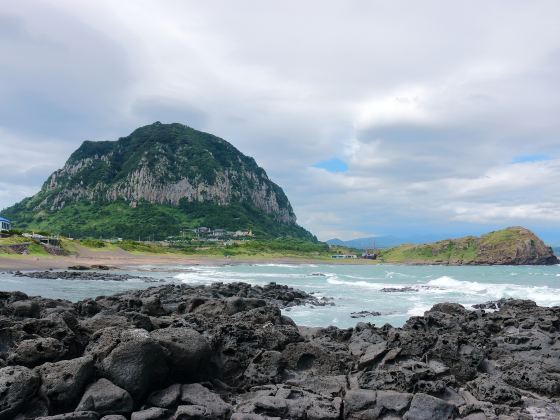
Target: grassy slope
[(463, 250), (33, 249), (155, 221), (265, 248), (457, 251)]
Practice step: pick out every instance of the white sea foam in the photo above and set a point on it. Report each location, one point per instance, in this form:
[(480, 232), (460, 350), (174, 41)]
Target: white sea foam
[(418, 309), (543, 295), (276, 265), (360, 283)]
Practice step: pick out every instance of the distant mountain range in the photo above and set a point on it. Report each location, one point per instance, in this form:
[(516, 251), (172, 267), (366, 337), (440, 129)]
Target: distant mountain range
[(157, 181), (383, 241)]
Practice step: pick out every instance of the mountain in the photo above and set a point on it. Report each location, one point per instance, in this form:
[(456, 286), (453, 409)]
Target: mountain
[(384, 241), (514, 245), (156, 182), (358, 243)]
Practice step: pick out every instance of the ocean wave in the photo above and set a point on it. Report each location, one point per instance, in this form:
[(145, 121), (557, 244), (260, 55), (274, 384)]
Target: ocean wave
[(542, 295), (277, 265), (418, 309), (391, 274), (360, 283)]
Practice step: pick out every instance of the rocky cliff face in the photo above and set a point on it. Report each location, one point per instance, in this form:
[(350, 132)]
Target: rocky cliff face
[(204, 179), (164, 163)]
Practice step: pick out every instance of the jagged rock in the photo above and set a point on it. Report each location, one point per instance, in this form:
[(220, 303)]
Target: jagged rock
[(487, 388), (358, 401), (105, 397), (18, 385), (259, 365), (214, 405), (363, 314), (266, 367), (136, 362), (289, 402), (189, 352), (328, 386), (153, 413), (64, 382), (426, 407), (190, 412), (37, 407), (25, 309), (37, 351), (77, 415), (167, 397)]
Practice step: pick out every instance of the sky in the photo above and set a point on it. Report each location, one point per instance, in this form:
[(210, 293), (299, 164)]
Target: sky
[(376, 117)]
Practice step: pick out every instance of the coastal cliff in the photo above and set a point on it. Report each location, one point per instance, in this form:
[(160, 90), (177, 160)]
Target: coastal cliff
[(160, 179), (225, 351), (512, 246)]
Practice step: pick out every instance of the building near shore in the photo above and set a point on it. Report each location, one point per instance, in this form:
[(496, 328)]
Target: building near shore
[(5, 224)]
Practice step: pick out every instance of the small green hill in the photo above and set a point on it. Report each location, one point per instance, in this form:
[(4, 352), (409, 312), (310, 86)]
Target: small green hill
[(514, 245), (158, 181)]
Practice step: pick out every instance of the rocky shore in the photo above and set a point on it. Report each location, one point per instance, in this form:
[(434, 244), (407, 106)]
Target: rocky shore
[(226, 351)]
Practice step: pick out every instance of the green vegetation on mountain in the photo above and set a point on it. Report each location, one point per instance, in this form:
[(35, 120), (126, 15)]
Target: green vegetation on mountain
[(156, 182), (514, 245)]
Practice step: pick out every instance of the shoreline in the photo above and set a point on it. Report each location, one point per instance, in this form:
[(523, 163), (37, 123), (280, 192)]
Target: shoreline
[(125, 259)]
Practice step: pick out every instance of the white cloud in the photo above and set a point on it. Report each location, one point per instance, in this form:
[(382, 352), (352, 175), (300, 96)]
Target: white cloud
[(427, 103)]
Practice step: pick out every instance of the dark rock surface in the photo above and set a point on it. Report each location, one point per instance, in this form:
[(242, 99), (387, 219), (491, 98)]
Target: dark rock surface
[(364, 314), (78, 273), (226, 351)]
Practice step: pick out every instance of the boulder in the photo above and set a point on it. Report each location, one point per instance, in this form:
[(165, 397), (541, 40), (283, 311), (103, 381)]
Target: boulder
[(392, 401), (167, 397), (36, 351), (266, 367), (359, 400), (191, 412), (196, 394), (189, 352), (77, 415), (494, 390), (286, 402), (137, 363), (25, 309), (426, 407), (105, 397), (18, 385), (152, 413), (63, 382)]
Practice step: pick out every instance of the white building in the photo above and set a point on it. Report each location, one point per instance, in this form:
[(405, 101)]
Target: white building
[(5, 224)]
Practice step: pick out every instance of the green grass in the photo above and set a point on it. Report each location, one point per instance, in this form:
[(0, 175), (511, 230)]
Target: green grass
[(153, 221), (453, 251), (33, 248), (287, 247)]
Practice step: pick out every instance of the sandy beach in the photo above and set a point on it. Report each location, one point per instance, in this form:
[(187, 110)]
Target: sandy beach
[(120, 259)]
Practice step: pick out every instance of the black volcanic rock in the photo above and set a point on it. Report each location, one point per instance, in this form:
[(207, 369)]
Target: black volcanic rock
[(226, 351)]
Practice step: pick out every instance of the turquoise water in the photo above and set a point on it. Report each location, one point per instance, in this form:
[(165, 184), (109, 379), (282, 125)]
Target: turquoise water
[(353, 287)]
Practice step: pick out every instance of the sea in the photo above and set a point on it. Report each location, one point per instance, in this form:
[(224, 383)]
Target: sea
[(353, 288)]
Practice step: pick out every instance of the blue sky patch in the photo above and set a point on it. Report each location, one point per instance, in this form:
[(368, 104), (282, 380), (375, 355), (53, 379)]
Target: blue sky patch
[(332, 165), (539, 157)]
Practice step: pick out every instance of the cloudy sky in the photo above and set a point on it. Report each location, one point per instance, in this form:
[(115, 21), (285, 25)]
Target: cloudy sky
[(376, 117)]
